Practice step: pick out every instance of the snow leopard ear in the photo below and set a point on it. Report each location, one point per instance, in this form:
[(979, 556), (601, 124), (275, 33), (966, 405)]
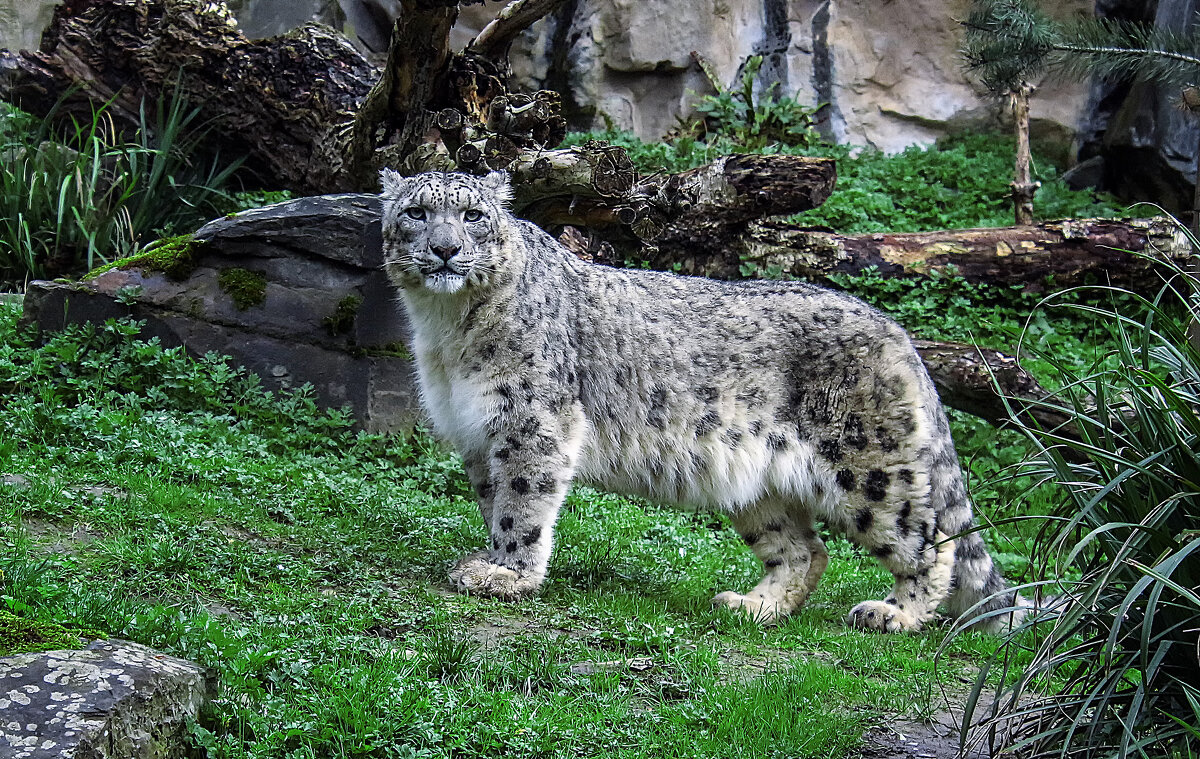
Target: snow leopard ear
[(393, 183), (499, 183)]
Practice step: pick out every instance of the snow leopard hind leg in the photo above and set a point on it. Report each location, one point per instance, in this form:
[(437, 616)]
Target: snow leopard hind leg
[(907, 517), (783, 537)]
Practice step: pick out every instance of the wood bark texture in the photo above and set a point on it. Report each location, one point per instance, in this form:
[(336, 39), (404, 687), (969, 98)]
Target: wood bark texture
[(1058, 253), (978, 380), (1023, 186), (283, 102)]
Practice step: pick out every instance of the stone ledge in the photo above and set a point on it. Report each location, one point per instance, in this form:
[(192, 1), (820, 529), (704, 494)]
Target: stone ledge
[(327, 315)]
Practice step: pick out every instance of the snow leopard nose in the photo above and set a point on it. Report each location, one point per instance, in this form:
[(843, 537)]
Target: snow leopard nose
[(445, 252)]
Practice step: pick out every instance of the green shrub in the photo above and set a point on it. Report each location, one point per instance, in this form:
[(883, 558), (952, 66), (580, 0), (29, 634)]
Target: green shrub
[(737, 117), (76, 194), (81, 386), (958, 183), (1117, 650)]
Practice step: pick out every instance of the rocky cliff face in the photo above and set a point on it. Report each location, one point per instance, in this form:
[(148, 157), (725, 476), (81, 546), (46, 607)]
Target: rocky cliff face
[(1141, 141), (888, 74)]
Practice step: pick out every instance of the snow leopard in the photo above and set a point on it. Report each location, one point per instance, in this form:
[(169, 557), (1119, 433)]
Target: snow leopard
[(783, 404)]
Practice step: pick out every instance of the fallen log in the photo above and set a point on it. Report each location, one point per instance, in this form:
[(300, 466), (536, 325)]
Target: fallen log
[(281, 102), (1055, 253), (979, 380)]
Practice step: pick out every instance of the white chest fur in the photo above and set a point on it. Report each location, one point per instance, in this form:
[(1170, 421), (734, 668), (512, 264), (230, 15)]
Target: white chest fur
[(455, 399)]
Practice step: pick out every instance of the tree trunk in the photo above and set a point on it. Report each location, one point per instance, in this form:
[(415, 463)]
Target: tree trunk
[(1023, 186), (1060, 253), (968, 378), (284, 103)]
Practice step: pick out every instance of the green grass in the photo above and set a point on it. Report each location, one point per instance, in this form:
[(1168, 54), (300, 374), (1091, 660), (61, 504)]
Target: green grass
[(171, 501), (1118, 643)]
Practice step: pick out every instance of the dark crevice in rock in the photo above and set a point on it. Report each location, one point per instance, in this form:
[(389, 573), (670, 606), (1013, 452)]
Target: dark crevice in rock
[(829, 124), (563, 39), (773, 48)]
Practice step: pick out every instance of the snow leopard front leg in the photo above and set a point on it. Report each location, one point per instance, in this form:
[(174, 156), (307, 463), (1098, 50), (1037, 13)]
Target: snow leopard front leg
[(529, 465)]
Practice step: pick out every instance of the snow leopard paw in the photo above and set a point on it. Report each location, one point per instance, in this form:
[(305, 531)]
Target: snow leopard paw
[(475, 575), (882, 617), (758, 609)]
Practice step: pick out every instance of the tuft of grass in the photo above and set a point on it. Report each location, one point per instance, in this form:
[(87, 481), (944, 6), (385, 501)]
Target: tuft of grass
[(1112, 661), (76, 194)]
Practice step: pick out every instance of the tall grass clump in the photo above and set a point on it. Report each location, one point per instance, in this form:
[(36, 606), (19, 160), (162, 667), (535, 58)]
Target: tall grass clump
[(1115, 666), (78, 193)]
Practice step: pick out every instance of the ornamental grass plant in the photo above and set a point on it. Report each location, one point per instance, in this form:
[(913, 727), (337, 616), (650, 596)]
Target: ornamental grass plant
[(75, 194), (1113, 657)]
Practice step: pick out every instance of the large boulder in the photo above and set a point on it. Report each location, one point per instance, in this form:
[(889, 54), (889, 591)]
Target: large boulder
[(112, 700), (294, 292)]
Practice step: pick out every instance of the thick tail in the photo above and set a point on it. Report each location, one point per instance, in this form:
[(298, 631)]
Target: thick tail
[(979, 591)]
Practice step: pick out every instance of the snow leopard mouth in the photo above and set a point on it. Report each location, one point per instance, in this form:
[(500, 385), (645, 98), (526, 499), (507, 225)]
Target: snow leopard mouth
[(444, 280), (445, 270)]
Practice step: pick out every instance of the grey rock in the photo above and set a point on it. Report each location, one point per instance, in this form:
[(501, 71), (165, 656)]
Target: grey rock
[(1085, 175), (112, 700), (318, 256), (1148, 142)]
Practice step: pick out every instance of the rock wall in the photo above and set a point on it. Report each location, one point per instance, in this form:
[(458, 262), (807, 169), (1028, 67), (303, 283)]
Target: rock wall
[(1144, 145), (888, 74), (22, 22)]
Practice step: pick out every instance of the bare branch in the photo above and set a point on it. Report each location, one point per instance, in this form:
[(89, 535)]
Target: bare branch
[(494, 39)]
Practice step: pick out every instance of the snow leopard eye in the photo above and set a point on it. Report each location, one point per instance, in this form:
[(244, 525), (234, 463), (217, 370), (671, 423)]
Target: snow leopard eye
[(415, 212), (473, 215)]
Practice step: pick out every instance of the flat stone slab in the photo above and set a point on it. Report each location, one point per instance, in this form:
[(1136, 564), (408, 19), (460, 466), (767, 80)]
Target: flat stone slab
[(111, 700)]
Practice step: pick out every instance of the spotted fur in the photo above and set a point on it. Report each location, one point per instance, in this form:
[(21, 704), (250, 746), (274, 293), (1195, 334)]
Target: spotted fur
[(781, 404)]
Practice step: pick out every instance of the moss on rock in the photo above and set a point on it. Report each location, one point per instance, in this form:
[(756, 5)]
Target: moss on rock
[(342, 318), (172, 256), (19, 635), (247, 288)]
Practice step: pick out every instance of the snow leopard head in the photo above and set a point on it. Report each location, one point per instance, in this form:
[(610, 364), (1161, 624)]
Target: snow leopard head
[(442, 232)]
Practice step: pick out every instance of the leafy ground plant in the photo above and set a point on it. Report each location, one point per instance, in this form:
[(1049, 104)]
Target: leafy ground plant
[(1116, 657), (170, 500), (76, 196)]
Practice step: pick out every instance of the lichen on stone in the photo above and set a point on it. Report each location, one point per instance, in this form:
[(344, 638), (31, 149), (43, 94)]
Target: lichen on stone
[(173, 256), (342, 319), (19, 635), (247, 288)]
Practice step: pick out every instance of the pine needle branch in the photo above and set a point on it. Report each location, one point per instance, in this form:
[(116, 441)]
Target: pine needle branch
[(1008, 42)]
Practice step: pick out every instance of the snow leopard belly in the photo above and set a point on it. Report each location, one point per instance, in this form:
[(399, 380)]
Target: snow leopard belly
[(720, 469)]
